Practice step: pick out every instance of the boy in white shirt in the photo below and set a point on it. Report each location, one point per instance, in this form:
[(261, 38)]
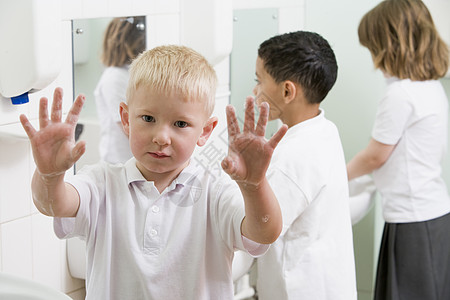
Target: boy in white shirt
[(159, 227), (313, 257)]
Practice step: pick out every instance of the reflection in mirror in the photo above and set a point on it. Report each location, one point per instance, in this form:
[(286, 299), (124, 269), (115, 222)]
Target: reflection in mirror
[(103, 49)]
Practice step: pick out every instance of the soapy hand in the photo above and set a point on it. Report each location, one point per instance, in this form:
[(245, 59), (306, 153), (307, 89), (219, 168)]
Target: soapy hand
[(54, 147), (249, 153)]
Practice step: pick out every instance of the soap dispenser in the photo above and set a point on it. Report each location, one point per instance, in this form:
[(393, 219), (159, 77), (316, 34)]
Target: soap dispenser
[(31, 46)]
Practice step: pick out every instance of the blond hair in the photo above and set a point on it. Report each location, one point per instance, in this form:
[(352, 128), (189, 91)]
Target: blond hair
[(403, 40), (123, 40), (174, 70)]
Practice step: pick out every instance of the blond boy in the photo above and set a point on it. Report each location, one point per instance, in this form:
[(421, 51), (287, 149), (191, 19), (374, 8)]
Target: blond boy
[(158, 226)]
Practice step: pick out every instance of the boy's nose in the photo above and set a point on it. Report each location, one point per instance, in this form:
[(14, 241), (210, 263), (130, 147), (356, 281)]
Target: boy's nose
[(255, 90), (256, 93), (161, 137)]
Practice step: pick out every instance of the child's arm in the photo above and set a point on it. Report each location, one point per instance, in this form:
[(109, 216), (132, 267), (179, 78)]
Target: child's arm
[(54, 152), (369, 159), (247, 162)]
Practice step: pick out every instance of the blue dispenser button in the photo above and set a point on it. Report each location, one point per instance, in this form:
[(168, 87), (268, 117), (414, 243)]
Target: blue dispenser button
[(22, 99)]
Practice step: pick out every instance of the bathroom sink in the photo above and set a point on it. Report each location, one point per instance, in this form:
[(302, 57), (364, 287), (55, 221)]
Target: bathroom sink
[(13, 287), (362, 193), (242, 262)]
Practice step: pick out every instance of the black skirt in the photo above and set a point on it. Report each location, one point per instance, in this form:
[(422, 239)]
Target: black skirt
[(414, 261)]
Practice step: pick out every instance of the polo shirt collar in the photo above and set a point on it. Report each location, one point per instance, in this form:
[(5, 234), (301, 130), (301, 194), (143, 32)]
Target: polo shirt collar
[(307, 124), (134, 175)]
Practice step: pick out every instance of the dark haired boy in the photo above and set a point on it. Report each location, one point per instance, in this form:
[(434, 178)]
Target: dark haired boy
[(313, 257)]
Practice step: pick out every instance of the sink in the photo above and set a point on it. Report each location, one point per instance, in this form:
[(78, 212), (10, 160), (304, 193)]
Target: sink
[(242, 262), (362, 193), (13, 287)]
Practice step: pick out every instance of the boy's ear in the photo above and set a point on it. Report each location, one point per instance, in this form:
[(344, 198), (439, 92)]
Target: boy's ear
[(207, 130), (125, 118), (289, 91)]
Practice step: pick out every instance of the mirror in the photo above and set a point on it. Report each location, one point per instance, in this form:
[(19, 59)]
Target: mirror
[(100, 74), (246, 42)]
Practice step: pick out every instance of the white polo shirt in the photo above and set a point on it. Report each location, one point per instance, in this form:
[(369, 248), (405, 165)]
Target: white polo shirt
[(413, 115), (145, 245)]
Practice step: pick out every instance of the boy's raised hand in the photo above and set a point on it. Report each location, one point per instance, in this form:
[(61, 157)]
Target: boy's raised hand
[(249, 153), (54, 147)]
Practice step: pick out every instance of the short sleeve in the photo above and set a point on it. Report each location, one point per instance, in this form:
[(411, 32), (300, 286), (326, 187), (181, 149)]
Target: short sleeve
[(88, 210), (228, 212), (253, 248), (393, 113)]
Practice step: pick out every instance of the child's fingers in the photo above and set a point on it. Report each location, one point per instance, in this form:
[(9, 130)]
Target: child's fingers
[(249, 120), (228, 166), (29, 129), (56, 113), (263, 119), (78, 150), (232, 123), (74, 113), (43, 113), (276, 138)]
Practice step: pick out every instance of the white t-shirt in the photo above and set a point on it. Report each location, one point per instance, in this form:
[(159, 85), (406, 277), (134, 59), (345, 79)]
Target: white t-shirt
[(413, 115), (141, 244), (313, 258), (111, 89)]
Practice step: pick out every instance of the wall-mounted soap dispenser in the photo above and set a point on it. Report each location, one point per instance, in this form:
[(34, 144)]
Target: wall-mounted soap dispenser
[(31, 46)]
